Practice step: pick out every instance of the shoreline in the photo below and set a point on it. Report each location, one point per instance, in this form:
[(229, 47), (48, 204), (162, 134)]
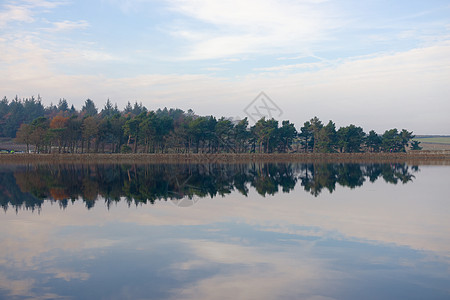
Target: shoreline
[(417, 157)]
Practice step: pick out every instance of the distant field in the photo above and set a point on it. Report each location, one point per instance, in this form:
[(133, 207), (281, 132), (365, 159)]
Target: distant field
[(434, 139)]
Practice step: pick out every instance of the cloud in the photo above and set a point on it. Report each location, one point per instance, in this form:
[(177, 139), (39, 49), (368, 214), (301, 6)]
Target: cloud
[(97, 56), (251, 27), (69, 25), (403, 89), (128, 6), (305, 66), (13, 13), (44, 3), (213, 69), (389, 86), (25, 59), (24, 11)]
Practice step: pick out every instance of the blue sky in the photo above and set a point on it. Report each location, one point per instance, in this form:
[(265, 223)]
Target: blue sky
[(378, 64)]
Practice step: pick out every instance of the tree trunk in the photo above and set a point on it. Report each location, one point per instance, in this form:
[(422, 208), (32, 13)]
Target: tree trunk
[(135, 144)]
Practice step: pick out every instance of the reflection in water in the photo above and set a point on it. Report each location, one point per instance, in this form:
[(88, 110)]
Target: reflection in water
[(27, 187), (334, 241)]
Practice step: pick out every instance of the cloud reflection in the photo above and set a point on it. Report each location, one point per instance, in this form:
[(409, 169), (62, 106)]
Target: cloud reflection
[(256, 272), (240, 247)]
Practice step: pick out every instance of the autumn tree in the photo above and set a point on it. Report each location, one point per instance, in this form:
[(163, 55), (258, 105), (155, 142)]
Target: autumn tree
[(23, 135), (58, 126)]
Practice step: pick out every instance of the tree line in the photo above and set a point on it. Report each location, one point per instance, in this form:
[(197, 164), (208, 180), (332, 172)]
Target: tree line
[(63, 129), (28, 187)]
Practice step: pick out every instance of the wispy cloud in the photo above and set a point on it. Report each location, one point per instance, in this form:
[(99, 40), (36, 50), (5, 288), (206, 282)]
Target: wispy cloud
[(24, 11), (45, 3), (213, 69), (97, 56), (15, 13), (300, 66), (69, 25), (392, 87), (256, 27), (338, 62), (128, 6)]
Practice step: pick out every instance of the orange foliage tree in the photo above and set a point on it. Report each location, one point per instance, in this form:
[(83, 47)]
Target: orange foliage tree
[(58, 126)]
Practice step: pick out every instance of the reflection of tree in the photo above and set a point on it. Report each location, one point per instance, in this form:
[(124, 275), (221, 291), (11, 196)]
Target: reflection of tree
[(12, 195), (27, 187), (315, 177), (266, 178), (396, 172), (350, 175)]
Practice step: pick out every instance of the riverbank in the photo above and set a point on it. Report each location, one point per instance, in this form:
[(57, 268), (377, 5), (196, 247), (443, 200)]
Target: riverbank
[(416, 157)]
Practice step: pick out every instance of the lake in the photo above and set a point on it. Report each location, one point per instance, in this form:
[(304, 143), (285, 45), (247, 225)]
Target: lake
[(217, 231)]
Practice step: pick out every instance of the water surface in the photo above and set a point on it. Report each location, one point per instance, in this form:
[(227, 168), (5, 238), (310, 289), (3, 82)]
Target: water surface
[(253, 231)]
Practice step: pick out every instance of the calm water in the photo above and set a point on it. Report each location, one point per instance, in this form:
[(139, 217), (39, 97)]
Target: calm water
[(255, 231)]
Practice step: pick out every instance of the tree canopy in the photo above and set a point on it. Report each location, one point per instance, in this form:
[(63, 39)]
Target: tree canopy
[(139, 130)]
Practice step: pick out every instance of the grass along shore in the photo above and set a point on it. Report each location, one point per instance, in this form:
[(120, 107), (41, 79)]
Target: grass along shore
[(420, 157)]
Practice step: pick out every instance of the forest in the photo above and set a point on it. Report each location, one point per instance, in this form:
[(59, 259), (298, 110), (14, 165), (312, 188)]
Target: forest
[(61, 128)]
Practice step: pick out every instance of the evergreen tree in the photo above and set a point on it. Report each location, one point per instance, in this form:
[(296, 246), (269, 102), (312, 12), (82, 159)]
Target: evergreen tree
[(307, 136), (350, 138), (391, 141), (128, 108), (326, 138), (373, 141), (63, 105), (89, 108), (415, 145), (108, 110), (286, 134)]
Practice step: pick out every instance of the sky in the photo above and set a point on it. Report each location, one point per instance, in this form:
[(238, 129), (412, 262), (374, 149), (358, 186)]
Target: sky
[(376, 64)]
